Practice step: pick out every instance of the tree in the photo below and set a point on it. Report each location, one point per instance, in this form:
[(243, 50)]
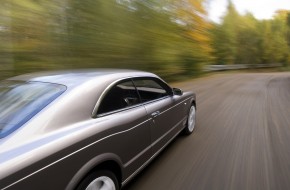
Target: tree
[(248, 41), (274, 37), (192, 17), (242, 39), (28, 33), (225, 36)]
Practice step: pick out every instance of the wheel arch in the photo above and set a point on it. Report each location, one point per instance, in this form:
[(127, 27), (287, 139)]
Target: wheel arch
[(106, 161), (193, 101)]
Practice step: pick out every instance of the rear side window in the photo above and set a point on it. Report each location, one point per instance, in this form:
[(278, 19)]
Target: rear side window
[(20, 101), (120, 96), (151, 89)]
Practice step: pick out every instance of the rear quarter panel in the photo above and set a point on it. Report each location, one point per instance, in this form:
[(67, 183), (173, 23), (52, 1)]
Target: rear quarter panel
[(118, 137)]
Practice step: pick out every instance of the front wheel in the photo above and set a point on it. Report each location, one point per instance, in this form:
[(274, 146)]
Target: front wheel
[(190, 124), (100, 180)]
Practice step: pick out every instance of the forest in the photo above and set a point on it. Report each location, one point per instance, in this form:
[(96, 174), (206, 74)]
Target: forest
[(172, 38)]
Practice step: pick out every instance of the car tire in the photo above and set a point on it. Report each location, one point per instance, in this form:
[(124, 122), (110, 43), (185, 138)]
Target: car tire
[(99, 180), (191, 121)]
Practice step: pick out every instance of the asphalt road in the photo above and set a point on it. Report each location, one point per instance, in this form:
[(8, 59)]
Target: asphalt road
[(241, 141)]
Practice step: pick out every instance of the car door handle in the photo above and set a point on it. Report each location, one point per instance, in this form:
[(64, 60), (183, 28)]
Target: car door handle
[(155, 114)]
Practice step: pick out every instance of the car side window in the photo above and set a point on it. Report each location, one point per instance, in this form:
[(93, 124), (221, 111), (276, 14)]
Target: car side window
[(121, 95), (151, 89)]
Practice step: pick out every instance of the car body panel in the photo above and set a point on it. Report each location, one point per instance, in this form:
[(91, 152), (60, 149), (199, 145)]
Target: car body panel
[(162, 122), (62, 143)]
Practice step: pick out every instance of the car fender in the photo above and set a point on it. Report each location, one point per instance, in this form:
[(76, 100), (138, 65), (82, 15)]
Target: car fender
[(90, 165)]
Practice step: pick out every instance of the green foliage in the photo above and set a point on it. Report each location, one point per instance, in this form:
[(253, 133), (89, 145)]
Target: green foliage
[(169, 37), (41, 34), (242, 39)]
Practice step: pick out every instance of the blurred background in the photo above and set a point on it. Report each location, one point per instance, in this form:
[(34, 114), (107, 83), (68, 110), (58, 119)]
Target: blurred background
[(176, 39)]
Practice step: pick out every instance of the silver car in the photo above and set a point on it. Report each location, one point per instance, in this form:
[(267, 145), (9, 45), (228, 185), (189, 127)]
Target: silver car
[(86, 129)]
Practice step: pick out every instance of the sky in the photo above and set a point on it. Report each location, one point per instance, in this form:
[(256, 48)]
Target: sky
[(261, 9)]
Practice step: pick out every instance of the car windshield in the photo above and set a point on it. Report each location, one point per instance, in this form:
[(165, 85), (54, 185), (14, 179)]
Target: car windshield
[(20, 101)]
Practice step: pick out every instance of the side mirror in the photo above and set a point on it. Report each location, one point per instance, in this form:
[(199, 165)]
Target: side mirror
[(177, 91)]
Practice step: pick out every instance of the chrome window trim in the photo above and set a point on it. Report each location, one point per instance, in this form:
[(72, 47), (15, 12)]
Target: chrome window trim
[(118, 110), (156, 100), (132, 107), (104, 93), (169, 93), (107, 89)]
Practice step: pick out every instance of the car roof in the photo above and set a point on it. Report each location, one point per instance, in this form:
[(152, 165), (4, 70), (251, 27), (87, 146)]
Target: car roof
[(72, 78)]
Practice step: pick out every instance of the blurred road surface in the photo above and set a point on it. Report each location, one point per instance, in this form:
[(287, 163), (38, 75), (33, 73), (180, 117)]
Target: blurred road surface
[(242, 139)]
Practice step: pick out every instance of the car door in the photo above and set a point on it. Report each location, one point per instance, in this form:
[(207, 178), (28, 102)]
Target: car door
[(162, 108), (127, 122)]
